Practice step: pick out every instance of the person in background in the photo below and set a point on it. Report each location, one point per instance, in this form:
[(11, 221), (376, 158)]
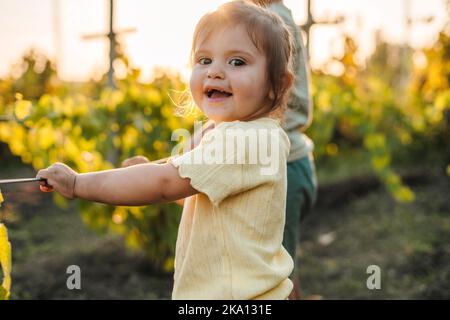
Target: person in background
[(302, 181)]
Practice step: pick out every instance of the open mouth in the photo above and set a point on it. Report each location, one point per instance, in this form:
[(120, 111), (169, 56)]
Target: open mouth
[(217, 94)]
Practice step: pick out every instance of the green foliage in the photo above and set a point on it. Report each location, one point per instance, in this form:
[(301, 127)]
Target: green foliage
[(363, 110), (5, 259), (5, 263), (429, 96), (33, 76), (82, 132)]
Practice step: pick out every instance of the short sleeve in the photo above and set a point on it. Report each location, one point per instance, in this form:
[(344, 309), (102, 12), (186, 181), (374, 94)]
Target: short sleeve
[(231, 159)]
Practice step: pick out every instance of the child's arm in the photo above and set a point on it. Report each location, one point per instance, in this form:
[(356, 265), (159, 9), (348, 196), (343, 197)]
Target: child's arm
[(137, 185), (139, 160), (192, 143)]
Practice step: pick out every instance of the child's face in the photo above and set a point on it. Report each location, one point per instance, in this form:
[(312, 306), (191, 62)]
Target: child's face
[(229, 78)]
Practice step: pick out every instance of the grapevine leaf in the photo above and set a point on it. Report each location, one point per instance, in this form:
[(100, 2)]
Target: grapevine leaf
[(5, 258)]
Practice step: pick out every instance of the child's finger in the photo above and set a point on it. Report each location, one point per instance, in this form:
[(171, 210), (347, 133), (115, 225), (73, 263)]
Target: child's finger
[(125, 163), (42, 174), (134, 161), (46, 188), (45, 185)]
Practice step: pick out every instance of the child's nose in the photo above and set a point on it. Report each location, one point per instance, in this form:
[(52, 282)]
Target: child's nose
[(215, 71)]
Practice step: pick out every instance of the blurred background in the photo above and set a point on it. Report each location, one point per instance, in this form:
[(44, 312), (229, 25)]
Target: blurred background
[(91, 83)]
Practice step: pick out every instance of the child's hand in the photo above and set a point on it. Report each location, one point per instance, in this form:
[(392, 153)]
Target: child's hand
[(60, 178), (134, 160)]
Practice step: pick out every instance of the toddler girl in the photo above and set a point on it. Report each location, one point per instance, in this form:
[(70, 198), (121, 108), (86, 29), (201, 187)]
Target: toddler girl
[(229, 243)]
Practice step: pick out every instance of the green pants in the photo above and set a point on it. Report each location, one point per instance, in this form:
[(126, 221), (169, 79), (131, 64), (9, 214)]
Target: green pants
[(301, 196)]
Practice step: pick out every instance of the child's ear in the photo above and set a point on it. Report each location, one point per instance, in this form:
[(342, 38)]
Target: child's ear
[(287, 81), (271, 94)]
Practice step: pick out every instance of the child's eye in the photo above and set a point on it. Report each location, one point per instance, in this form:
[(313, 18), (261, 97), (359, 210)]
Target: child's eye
[(236, 62), (204, 61)]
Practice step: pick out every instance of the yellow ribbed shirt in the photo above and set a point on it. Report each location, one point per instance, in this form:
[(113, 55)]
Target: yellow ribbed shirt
[(229, 243)]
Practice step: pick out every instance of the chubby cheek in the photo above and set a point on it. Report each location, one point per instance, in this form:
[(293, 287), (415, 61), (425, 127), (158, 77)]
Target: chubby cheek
[(252, 91), (196, 87)]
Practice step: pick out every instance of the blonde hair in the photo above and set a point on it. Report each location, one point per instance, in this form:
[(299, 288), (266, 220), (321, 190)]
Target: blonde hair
[(270, 36)]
